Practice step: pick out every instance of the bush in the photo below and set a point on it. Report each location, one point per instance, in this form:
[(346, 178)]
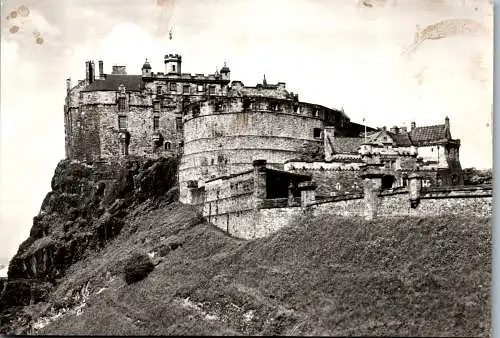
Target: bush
[(137, 268)]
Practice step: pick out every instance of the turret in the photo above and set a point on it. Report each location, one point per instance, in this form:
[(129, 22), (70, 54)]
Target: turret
[(173, 64), (146, 69), (225, 72)]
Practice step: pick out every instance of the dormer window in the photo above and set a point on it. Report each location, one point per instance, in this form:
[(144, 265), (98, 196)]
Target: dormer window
[(200, 88), (158, 90), (185, 89), (173, 87), (212, 90)]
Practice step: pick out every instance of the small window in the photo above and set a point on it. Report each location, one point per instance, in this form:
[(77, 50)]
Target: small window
[(121, 104), (156, 122), (212, 90), (168, 145), (200, 88), (156, 106), (181, 145), (158, 90), (173, 68), (178, 123), (173, 87), (185, 89), (122, 122), (212, 161), (317, 132)]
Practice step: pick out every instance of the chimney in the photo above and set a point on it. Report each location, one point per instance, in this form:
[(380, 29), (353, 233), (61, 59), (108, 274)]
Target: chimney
[(119, 70), (394, 129), (101, 70), (87, 71), (384, 128), (92, 72), (413, 125), (68, 85), (447, 123), (404, 130)]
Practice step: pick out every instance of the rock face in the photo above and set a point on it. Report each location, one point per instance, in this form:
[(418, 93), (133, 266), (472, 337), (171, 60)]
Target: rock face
[(82, 213)]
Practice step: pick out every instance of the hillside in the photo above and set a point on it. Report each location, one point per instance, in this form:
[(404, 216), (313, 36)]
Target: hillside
[(320, 276)]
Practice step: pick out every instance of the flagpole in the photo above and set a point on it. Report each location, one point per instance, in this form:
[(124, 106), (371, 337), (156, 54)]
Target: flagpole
[(365, 128)]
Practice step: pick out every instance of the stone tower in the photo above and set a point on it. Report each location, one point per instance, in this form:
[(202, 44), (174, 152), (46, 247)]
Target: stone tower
[(173, 64)]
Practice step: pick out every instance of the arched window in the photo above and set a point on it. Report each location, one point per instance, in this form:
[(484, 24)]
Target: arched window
[(168, 145)]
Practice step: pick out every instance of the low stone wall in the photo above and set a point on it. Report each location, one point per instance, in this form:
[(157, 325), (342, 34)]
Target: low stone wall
[(473, 201), (251, 224), (340, 206), (333, 182)]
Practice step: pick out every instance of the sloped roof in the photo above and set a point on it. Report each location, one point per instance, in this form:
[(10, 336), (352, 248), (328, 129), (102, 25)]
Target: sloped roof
[(111, 83), (428, 134), (401, 140), (347, 145)]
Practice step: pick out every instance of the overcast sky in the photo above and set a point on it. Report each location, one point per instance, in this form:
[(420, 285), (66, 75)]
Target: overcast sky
[(363, 56)]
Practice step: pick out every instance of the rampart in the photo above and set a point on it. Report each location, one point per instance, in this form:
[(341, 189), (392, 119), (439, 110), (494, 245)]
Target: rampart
[(245, 205), (222, 136)]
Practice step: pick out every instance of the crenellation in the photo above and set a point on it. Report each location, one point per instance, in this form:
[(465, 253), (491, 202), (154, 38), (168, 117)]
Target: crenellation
[(253, 157)]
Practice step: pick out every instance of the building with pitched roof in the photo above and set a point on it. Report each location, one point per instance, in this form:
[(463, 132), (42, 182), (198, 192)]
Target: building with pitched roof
[(221, 126)]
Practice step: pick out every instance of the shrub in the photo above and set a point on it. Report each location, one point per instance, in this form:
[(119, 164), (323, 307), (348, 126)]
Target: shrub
[(137, 268)]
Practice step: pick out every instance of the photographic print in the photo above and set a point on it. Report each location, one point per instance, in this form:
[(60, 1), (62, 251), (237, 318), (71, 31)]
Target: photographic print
[(246, 167)]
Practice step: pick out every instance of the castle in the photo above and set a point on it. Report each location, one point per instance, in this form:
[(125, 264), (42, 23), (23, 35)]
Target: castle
[(244, 148)]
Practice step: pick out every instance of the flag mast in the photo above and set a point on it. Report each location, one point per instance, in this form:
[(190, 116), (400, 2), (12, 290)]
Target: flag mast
[(365, 128)]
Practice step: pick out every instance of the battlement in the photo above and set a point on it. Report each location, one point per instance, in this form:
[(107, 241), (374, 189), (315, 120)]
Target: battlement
[(173, 56), (187, 77)]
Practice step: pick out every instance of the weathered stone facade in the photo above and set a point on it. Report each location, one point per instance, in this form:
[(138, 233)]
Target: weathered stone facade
[(254, 157), (257, 202)]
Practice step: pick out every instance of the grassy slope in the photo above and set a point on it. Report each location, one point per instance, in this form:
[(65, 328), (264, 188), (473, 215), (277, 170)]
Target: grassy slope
[(324, 276)]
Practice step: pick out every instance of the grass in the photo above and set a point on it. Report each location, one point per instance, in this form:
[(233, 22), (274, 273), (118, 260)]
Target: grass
[(321, 276)]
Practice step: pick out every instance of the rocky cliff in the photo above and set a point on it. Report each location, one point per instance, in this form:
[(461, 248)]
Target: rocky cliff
[(83, 212), (112, 252)]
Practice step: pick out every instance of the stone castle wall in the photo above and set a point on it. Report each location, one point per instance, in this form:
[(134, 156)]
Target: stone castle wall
[(227, 140), (332, 178)]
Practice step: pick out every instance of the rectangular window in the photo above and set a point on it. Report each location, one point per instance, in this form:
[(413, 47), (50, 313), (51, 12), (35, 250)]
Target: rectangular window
[(122, 122), (178, 123), (156, 106), (200, 88), (173, 87), (121, 104), (185, 89), (212, 90), (158, 90), (317, 132), (156, 122)]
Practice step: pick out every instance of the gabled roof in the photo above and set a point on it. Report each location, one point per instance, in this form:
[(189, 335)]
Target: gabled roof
[(429, 134), (111, 83), (347, 145), (401, 140)]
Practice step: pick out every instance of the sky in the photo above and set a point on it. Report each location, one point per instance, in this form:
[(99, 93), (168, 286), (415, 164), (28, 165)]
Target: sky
[(388, 61)]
